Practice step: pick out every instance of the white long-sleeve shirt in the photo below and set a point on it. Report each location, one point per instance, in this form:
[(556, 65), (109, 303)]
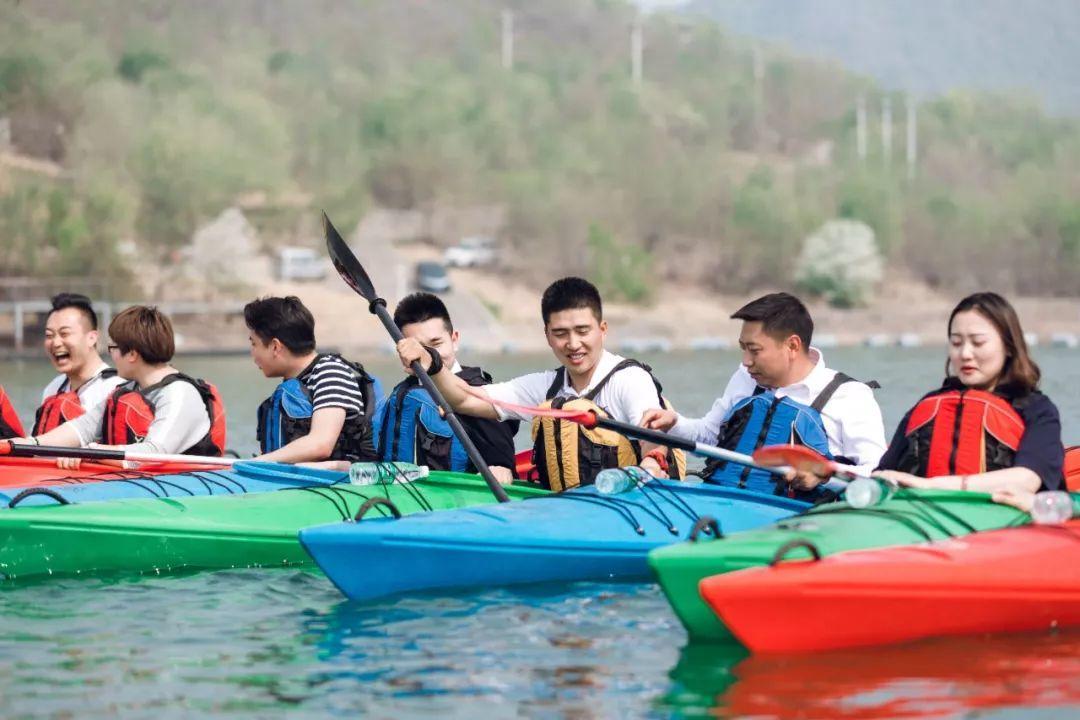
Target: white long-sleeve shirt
[(852, 417), (180, 421)]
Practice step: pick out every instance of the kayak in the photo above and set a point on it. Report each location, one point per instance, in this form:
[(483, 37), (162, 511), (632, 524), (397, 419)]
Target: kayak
[(909, 516), (243, 477), (1002, 581), (21, 472), (173, 534), (575, 535)]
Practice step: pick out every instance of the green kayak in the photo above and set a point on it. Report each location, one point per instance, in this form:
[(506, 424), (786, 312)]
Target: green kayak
[(910, 516), (174, 534)]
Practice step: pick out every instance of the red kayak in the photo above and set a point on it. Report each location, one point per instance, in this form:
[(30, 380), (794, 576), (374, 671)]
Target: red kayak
[(25, 471), (1009, 580)]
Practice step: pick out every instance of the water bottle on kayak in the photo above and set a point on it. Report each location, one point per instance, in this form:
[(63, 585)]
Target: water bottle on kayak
[(385, 473), (1051, 508), (617, 480), (866, 492)]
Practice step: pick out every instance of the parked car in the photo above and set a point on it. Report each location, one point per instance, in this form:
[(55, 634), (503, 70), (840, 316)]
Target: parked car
[(474, 251), (300, 263), (432, 277)]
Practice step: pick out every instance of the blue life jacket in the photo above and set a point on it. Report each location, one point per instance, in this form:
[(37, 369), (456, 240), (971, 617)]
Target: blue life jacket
[(286, 416), (765, 419), (409, 428)]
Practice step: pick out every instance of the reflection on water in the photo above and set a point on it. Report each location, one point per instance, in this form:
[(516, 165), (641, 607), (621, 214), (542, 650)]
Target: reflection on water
[(932, 679)]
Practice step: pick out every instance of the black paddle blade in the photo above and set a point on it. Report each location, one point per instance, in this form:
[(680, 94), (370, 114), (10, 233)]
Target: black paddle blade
[(348, 267)]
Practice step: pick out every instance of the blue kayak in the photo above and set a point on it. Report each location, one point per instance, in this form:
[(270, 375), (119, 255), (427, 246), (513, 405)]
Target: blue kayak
[(576, 535), (242, 478)]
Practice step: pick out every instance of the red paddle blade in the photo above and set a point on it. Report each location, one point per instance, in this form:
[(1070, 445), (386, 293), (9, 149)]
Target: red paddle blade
[(799, 457)]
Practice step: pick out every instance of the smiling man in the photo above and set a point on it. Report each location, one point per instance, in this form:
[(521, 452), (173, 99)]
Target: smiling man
[(783, 393), (589, 377), (85, 380)]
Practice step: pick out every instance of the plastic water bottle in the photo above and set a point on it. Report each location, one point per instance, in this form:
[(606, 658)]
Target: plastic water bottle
[(1051, 508), (385, 473), (866, 492), (617, 480)]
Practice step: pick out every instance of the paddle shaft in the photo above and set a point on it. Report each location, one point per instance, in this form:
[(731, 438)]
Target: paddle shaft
[(53, 451), (449, 415)]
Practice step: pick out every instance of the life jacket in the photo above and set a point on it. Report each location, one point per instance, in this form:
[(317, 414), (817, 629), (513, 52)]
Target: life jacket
[(765, 419), (63, 405), (567, 454), (10, 425), (129, 413), (961, 432), (1072, 469), (286, 416), (410, 428)]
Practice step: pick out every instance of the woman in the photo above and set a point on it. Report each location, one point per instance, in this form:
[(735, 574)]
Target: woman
[(988, 428), (158, 409)]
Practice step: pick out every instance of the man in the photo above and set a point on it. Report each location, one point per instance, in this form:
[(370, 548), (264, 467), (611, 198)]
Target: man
[(589, 377), (157, 409), (783, 392), (85, 380), (319, 410), (408, 424)]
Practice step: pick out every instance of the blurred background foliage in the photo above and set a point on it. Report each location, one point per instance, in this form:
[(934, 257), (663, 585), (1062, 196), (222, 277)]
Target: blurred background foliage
[(161, 113)]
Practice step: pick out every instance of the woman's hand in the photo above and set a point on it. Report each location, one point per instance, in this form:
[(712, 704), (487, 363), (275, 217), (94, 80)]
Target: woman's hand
[(906, 479), (1019, 499)]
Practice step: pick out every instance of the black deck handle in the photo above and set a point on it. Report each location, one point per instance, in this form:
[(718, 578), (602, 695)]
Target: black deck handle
[(372, 502), (787, 547), (703, 524), (38, 491)]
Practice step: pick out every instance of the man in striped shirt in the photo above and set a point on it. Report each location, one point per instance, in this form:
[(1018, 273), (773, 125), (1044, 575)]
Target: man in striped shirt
[(320, 409)]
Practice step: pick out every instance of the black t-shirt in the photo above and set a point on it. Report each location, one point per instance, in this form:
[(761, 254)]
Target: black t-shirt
[(1040, 448)]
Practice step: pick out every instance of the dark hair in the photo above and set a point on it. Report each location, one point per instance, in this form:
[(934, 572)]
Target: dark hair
[(420, 307), (571, 293), (1019, 374), (781, 315), (77, 301), (284, 318), (147, 331)]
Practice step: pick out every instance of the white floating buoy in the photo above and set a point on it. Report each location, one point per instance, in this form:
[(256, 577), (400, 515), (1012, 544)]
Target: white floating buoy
[(1032, 339), (909, 340), (878, 340), (646, 344), (825, 341)]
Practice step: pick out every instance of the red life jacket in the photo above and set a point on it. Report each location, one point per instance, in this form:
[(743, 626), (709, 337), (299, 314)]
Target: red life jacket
[(129, 412), (961, 432), (1072, 468), (10, 425), (64, 405)]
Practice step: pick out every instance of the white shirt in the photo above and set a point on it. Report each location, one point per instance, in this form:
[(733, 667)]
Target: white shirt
[(625, 397), (852, 417), (180, 421), (92, 393)]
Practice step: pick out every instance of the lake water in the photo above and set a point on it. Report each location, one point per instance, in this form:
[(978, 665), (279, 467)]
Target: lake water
[(284, 643)]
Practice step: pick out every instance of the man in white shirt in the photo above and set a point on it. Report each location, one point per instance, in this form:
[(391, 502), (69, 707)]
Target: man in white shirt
[(85, 380), (777, 356), (575, 331)]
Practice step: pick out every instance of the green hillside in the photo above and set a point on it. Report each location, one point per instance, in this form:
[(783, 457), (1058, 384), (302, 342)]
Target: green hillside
[(161, 113)]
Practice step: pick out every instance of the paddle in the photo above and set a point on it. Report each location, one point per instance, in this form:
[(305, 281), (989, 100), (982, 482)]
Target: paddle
[(20, 450), (354, 275)]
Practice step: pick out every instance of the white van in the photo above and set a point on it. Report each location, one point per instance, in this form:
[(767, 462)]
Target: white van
[(299, 263)]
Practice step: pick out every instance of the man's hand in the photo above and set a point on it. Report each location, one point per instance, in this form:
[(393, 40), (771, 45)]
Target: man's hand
[(804, 480), (657, 419), (504, 475), (410, 350), (652, 467)]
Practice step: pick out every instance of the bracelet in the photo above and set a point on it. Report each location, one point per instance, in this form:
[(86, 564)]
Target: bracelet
[(436, 361), (660, 457)]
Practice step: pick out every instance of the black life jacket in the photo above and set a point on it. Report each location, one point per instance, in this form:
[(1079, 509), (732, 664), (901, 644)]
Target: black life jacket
[(10, 425), (129, 412), (286, 416), (64, 405), (567, 454), (957, 431)]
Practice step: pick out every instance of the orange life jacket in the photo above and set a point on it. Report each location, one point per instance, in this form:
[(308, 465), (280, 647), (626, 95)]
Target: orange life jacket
[(10, 425), (129, 412), (961, 432), (64, 405)]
